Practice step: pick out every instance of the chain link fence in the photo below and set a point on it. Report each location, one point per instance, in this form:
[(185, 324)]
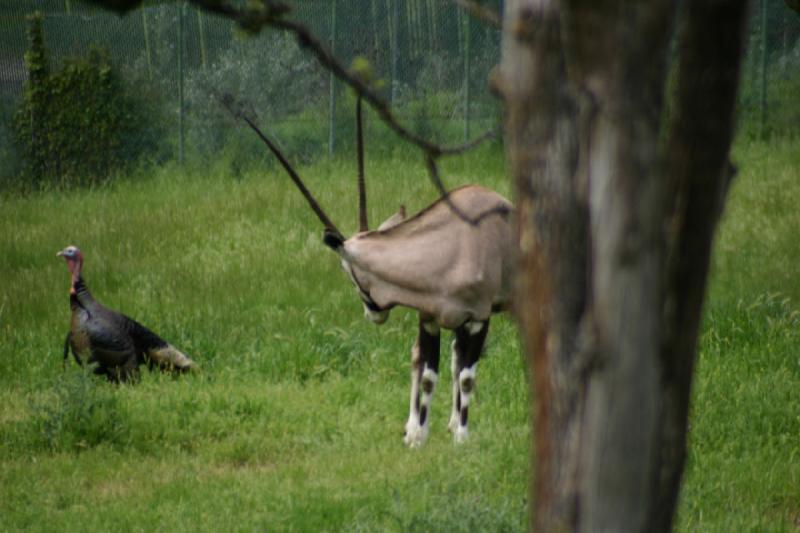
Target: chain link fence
[(433, 59), (769, 102)]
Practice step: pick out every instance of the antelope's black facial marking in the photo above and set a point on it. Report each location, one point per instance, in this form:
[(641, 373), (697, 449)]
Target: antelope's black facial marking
[(372, 311), (332, 240), (372, 306)]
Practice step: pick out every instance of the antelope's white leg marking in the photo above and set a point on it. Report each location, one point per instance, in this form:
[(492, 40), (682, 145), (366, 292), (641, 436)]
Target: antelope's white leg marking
[(452, 425), (474, 327), (424, 376), (467, 348), (429, 379), (413, 429), (466, 383), (417, 425)]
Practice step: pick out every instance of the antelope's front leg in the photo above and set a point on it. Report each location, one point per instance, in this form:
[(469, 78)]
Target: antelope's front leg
[(467, 349), (424, 375)]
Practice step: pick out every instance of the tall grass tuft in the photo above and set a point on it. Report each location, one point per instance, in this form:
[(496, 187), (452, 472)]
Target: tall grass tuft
[(80, 413)]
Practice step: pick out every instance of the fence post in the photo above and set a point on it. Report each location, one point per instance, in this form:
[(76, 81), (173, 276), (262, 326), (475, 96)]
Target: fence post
[(763, 72), (147, 44), (394, 25), (180, 84), (467, 51), (332, 82), (202, 35)]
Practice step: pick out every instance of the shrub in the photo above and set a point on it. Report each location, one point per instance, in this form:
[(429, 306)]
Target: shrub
[(80, 124), (281, 83)]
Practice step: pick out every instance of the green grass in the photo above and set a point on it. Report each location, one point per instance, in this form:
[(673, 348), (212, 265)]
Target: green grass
[(295, 422), (744, 466)]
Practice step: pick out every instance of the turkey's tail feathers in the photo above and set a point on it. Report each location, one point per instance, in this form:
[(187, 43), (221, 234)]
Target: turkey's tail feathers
[(168, 357), (158, 352)]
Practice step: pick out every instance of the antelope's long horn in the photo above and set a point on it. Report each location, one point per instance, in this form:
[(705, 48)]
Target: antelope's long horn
[(329, 226), (362, 188)]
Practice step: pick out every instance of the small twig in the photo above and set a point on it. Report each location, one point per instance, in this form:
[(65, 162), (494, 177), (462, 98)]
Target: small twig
[(433, 172), (309, 41)]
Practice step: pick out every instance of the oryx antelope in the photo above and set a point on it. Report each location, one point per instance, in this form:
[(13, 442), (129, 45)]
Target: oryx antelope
[(453, 272)]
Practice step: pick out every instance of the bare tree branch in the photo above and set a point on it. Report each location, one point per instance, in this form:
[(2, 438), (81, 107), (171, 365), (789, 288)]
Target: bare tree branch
[(314, 45), (433, 172)]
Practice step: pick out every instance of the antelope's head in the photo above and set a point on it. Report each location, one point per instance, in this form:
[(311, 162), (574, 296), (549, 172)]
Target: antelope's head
[(362, 278)]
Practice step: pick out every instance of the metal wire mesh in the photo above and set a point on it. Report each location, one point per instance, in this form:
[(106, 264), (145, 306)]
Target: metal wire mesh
[(433, 59), (768, 102)]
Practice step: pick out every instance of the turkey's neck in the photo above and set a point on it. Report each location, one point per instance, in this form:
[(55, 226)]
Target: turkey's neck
[(75, 270), (79, 294), (78, 288)]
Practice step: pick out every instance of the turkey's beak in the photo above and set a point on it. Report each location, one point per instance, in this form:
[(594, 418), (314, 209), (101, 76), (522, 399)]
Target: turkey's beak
[(60, 254)]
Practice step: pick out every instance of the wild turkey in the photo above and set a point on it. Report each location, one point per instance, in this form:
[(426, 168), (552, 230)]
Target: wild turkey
[(115, 343)]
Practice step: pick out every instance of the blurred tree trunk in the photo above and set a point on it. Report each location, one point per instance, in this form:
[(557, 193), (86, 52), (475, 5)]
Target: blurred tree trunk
[(618, 197)]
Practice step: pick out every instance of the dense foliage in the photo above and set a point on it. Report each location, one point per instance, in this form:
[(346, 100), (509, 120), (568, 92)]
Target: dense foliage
[(78, 124)]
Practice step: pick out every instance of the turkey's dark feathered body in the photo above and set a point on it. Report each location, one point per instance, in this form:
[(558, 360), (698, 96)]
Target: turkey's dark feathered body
[(114, 342)]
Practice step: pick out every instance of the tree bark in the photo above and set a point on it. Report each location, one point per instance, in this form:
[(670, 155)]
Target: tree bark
[(552, 218), (615, 224)]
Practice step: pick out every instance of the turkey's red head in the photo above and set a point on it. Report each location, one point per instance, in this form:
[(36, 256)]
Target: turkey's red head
[(72, 255)]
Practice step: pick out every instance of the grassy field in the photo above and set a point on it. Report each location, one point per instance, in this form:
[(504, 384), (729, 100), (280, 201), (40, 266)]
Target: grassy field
[(295, 422)]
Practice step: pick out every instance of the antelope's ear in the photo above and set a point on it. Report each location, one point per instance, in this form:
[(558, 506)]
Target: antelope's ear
[(332, 240), (394, 220)]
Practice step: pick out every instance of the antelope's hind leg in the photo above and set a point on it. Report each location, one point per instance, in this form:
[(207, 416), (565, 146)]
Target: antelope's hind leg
[(467, 349), (424, 375)]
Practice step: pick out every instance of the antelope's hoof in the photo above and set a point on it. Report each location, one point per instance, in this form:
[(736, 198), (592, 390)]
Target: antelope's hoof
[(452, 425), (415, 435)]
